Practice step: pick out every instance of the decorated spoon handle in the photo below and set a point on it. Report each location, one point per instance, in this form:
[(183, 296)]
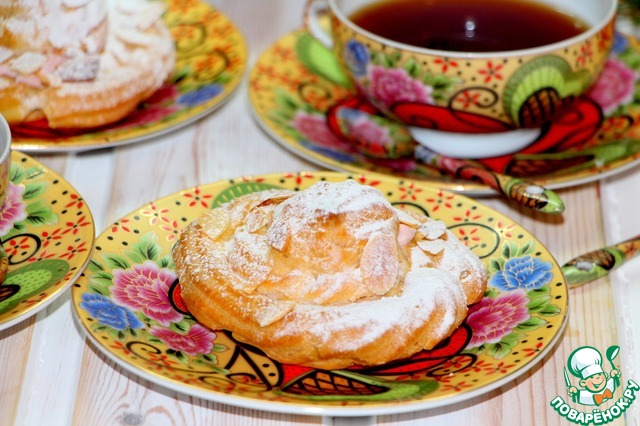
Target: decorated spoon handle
[(598, 263), (527, 194)]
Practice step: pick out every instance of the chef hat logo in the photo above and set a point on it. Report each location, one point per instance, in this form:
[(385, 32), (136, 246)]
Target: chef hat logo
[(585, 361)]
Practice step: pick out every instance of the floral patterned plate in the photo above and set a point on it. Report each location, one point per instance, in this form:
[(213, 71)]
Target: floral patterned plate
[(128, 300), (297, 87), (210, 63), (47, 232)]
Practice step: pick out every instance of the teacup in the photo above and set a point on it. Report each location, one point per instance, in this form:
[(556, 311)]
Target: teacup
[(469, 104), (5, 158)]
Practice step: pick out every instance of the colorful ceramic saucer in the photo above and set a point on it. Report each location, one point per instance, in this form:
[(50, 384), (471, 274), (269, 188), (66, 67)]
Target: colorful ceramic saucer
[(47, 232), (128, 301), (297, 86), (210, 63)]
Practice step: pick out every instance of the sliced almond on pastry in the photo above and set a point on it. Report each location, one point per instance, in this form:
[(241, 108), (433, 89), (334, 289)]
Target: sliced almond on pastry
[(258, 219), (28, 63), (431, 230), (273, 311), (432, 247), (406, 219), (5, 54), (405, 234), (215, 223), (379, 265), (277, 198), (79, 69)]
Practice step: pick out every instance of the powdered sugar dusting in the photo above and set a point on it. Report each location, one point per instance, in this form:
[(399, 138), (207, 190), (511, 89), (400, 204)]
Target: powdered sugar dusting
[(55, 25), (79, 69), (247, 256), (326, 286), (322, 200), (331, 198), (5, 54), (456, 259), (419, 258), (423, 288), (28, 62)]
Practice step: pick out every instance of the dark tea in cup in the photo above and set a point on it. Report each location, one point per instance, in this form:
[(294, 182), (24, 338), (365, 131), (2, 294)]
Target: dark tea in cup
[(469, 25), (469, 78)]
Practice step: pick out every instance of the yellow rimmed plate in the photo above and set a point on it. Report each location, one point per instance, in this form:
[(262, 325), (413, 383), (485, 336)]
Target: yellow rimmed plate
[(210, 64), (128, 302), (47, 232)]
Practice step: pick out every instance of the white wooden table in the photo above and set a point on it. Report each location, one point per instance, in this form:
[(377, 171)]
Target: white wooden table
[(52, 375)]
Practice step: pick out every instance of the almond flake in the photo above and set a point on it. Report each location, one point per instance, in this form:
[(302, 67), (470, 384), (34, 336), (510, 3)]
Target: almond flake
[(28, 63), (5, 54), (407, 219), (274, 311), (431, 230), (214, 223), (79, 69), (379, 263), (433, 247)]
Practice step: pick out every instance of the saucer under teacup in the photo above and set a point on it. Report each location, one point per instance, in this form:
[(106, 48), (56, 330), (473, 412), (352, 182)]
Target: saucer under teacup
[(594, 139)]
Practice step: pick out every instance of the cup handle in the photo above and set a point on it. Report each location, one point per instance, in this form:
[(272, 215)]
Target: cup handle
[(314, 12)]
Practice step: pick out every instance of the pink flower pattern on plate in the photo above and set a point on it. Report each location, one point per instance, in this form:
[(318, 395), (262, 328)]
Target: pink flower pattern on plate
[(492, 319), (198, 340), (314, 127), (14, 209), (145, 288), (157, 107), (392, 85), (615, 86), (365, 129)]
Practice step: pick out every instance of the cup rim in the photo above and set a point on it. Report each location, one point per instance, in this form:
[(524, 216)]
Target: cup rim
[(594, 29), (5, 134)]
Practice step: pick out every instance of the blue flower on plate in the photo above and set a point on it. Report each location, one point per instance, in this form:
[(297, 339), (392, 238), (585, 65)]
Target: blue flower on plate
[(108, 313), (620, 43), (356, 57), (201, 95), (336, 155), (526, 272)]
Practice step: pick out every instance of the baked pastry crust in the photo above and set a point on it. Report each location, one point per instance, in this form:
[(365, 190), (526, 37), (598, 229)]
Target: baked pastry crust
[(81, 63), (328, 277)]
